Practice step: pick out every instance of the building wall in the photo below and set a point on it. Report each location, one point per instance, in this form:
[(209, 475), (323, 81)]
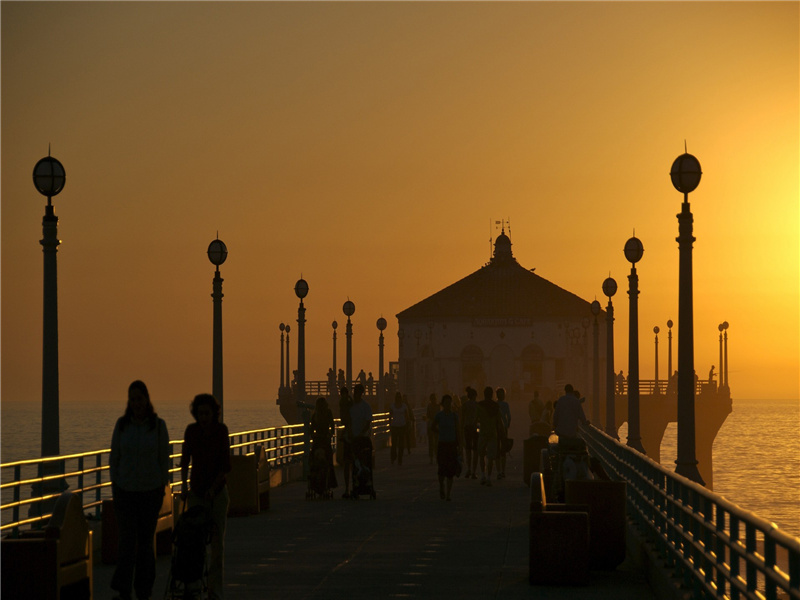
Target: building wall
[(521, 356)]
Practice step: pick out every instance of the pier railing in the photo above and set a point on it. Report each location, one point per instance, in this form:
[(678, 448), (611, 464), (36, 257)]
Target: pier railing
[(718, 549), (29, 487)]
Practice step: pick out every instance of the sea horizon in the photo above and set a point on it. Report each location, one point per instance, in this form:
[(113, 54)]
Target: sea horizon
[(760, 477)]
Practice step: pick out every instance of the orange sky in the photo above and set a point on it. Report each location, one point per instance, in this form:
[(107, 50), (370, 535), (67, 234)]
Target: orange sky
[(368, 146)]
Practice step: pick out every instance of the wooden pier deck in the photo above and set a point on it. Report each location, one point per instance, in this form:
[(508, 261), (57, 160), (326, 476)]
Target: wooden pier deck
[(406, 544)]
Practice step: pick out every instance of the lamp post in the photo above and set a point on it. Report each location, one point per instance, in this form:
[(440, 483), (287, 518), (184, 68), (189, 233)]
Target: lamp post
[(721, 363), (301, 291), (595, 365), (669, 348), (727, 383), (381, 325), (282, 328), (288, 368), (348, 309), (633, 252), (49, 178), (655, 331), (334, 325), (217, 253), (609, 289), (685, 174)]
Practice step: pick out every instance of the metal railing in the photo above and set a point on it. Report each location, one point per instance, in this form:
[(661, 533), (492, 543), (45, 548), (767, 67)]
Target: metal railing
[(717, 549), (29, 487)]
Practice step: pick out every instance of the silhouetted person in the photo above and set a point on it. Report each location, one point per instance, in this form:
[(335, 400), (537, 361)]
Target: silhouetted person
[(362, 380), (620, 379), (488, 424), (139, 470), (505, 424), (345, 402), (322, 428), (411, 427), (398, 424), (711, 375), (446, 426), (340, 379), (430, 415), (370, 384), (206, 446), (469, 419), (566, 417)]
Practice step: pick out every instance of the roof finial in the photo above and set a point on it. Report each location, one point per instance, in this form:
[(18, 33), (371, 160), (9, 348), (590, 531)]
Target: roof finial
[(685, 147)]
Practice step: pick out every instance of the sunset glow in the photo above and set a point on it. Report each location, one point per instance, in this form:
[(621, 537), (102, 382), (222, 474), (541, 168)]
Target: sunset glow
[(368, 147)]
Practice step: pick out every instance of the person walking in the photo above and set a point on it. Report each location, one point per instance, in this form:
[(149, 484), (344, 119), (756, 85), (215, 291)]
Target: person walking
[(446, 426), (430, 415), (345, 403), (502, 439), (206, 446), (398, 414), (322, 428), (469, 420), (488, 425), (139, 469)]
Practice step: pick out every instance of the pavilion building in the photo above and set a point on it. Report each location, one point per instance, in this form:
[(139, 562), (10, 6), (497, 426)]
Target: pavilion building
[(501, 326)]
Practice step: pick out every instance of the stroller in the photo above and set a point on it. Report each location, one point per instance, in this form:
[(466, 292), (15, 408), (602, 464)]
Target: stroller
[(321, 476), (363, 468), (188, 575)]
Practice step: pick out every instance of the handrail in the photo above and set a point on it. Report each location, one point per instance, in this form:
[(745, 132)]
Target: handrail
[(87, 473), (718, 549)]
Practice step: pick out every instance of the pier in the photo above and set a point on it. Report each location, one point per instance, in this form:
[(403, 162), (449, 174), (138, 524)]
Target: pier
[(683, 541)]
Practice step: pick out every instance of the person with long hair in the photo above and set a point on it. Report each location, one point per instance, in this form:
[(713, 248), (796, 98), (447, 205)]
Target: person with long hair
[(207, 447), (139, 467)]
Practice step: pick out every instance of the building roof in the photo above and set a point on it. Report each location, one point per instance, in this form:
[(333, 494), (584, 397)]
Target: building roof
[(500, 289)]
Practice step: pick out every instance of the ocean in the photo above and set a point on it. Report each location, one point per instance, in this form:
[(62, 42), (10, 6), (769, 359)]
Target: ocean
[(756, 452)]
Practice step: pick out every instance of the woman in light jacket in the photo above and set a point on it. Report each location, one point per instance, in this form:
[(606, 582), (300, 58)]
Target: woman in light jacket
[(139, 467)]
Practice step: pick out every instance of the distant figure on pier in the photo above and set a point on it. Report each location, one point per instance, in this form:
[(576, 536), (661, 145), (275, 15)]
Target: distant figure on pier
[(411, 428), (469, 418), (430, 415), (398, 424), (448, 450), (711, 375), (361, 424), (362, 380), (331, 383), (206, 446), (568, 413), (345, 403), (503, 442), (535, 408), (672, 383), (139, 469), (488, 425), (620, 379), (370, 384), (322, 427), (340, 379)]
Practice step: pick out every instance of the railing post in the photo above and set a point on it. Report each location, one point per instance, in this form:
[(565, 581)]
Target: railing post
[(98, 479), (80, 478), (17, 477)]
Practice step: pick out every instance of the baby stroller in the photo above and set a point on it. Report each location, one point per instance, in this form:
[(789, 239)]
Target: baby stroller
[(321, 475), (188, 575), (363, 468)]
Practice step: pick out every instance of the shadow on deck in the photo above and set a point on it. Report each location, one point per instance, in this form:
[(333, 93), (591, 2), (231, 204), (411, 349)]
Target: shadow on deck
[(408, 543)]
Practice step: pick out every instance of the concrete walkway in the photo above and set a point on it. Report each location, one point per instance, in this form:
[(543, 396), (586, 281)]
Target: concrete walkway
[(406, 544)]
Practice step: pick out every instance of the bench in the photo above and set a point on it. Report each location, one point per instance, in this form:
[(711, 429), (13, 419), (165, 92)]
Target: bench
[(110, 531), (559, 539), (55, 562)]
